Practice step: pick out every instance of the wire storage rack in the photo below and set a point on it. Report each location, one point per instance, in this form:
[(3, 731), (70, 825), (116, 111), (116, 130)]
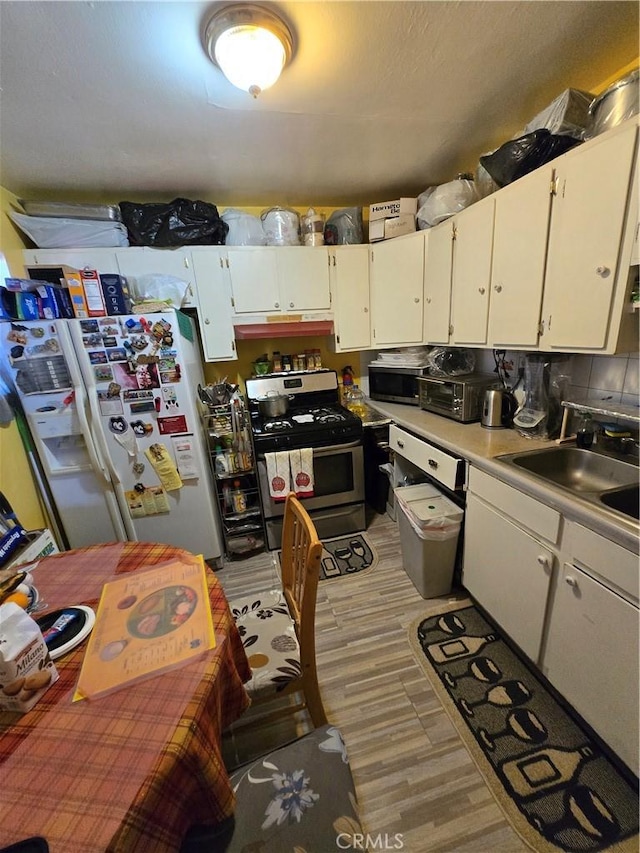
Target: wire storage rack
[(233, 466)]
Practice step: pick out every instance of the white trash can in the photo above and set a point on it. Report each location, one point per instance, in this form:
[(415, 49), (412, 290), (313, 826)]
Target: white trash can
[(429, 530)]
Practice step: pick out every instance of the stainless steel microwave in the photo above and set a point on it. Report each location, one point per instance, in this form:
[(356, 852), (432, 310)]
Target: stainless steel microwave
[(456, 397), (394, 384)]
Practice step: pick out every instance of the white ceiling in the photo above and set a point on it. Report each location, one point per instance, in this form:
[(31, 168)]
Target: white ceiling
[(109, 100)]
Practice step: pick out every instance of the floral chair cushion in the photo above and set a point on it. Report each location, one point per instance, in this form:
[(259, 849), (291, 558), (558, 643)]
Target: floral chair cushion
[(269, 637), (298, 798)]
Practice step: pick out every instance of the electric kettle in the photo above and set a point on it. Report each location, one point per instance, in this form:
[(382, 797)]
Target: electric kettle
[(498, 409)]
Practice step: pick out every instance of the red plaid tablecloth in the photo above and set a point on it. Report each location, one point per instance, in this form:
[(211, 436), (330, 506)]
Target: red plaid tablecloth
[(133, 770)]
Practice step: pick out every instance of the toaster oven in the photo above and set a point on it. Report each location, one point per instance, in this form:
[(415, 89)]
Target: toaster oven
[(456, 397)]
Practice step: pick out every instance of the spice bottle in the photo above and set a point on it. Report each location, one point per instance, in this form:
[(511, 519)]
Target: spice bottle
[(277, 362)]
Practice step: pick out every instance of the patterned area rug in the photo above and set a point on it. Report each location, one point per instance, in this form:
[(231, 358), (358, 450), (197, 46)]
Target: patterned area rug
[(346, 555), (556, 785)]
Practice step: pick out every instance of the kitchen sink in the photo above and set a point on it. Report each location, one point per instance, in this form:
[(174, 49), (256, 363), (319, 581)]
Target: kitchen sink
[(577, 469), (625, 500), (605, 481)]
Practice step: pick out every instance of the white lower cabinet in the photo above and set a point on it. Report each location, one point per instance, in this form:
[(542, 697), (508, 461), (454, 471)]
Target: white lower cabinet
[(508, 572), (570, 602), (591, 652)]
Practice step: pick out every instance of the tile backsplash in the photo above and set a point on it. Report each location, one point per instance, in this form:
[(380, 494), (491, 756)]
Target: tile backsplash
[(610, 378)]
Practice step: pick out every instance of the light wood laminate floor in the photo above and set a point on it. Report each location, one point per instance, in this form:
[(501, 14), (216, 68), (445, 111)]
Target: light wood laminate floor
[(412, 773)]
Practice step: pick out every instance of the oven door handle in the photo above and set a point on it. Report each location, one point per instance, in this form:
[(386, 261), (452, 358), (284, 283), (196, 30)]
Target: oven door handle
[(324, 451), (335, 448)]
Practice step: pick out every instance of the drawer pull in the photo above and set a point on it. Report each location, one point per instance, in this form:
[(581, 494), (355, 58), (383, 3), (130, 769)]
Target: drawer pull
[(433, 463), (400, 443), (571, 581)]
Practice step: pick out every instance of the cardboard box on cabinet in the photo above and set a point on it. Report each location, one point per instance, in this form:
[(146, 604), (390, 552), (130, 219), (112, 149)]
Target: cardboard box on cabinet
[(394, 226), (388, 209)]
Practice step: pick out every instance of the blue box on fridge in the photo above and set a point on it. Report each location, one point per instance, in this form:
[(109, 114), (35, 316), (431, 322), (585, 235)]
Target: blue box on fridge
[(115, 290)]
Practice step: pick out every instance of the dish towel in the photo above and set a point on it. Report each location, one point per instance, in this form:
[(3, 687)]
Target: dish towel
[(302, 472), (278, 474)]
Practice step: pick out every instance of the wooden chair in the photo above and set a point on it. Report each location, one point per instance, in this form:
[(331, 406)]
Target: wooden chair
[(278, 626)]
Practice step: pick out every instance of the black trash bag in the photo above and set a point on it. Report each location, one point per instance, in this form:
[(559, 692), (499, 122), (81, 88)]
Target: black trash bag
[(520, 156), (180, 222)]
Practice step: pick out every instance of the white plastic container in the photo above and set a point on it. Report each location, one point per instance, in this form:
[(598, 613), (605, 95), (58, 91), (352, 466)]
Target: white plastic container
[(429, 529), (59, 233), (281, 226)]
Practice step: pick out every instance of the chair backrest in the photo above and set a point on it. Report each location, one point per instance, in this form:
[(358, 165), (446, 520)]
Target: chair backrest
[(300, 562)]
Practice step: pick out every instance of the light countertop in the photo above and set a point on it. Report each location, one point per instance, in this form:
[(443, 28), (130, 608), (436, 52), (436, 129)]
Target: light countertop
[(481, 446)]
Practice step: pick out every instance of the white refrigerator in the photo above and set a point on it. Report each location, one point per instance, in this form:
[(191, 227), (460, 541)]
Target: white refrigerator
[(113, 408)]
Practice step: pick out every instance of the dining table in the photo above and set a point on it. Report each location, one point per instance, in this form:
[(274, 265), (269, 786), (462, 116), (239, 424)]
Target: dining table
[(132, 770)]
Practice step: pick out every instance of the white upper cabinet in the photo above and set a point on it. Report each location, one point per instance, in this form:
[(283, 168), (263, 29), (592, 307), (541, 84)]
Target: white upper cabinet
[(471, 276), (303, 275), (144, 260), (279, 279), (349, 276), (254, 279), (587, 222), (215, 318), (438, 256), (102, 260), (520, 231), (396, 278)]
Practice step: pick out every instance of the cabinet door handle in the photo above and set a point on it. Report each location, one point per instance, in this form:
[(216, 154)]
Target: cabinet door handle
[(276, 304), (543, 560), (498, 288), (400, 443), (366, 310), (432, 463), (428, 300), (603, 272), (571, 581), (291, 305), (207, 321), (416, 299), (481, 291)]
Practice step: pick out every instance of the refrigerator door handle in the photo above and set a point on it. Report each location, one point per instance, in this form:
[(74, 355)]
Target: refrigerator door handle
[(94, 454)]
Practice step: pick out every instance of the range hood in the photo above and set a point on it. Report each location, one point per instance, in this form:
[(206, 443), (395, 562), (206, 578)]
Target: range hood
[(279, 326)]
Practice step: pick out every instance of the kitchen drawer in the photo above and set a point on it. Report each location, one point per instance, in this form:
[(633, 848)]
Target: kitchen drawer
[(442, 466), (527, 511), (610, 562)]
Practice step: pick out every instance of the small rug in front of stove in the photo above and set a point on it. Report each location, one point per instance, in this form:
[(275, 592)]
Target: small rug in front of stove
[(560, 788), (346, 555)]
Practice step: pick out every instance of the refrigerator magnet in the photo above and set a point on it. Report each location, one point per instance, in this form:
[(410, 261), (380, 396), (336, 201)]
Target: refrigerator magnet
[(103, 373), (117, 354), (109, 406), (88, 326), (172, 425), (141, 429), (147, 376), (98, 357), (141, 406), (109, 341), (169, 397), (117, 425), (164, 466), (185, 457)]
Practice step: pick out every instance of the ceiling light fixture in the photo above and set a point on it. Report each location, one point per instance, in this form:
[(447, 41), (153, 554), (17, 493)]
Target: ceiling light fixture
[(250, 44)]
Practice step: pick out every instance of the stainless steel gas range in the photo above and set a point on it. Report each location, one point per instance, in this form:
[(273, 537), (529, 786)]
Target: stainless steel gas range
[(314, 419)]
